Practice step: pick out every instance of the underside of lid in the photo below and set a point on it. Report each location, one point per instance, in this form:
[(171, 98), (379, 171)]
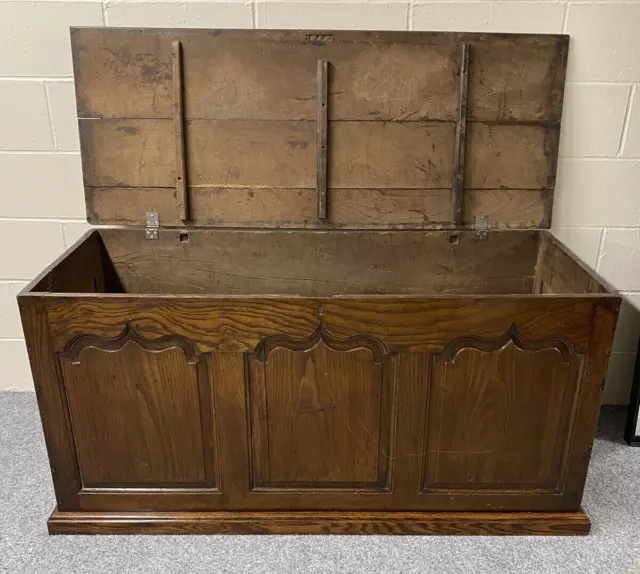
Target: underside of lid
[(263, 128)]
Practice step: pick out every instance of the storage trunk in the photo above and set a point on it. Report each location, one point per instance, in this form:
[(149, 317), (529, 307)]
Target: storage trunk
[(330, 304)]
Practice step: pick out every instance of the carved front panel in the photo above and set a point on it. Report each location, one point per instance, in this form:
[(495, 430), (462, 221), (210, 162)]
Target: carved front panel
[(140, 411), (500, 414), (321, 413)]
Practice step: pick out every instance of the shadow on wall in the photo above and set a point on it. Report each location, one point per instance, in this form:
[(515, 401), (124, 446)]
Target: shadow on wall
[(622, 361)]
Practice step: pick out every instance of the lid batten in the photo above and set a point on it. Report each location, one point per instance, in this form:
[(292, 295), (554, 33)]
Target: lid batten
[(461, 131), (178, 121), (322, 139)]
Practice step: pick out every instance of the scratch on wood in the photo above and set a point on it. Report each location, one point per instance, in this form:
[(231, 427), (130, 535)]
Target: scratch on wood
[(319, 410)]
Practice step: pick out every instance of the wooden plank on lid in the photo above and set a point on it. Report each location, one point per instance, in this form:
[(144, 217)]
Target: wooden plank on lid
[(250, 126)]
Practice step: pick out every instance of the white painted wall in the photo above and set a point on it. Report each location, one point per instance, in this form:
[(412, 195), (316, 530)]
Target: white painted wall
[(597, 207)]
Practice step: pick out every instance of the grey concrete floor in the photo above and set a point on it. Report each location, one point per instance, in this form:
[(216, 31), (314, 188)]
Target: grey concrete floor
[(612, 500)]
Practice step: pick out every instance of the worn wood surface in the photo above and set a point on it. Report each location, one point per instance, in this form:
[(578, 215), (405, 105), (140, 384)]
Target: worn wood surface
[(296, 208), (499, 88), (559, 271), (51, 403), (323, 263), (392, 113), (259, 153), (465, 523)]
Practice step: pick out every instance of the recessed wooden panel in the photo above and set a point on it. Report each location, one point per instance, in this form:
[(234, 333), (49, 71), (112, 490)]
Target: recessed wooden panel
[(140, 410), (321, 413), (500, 414)]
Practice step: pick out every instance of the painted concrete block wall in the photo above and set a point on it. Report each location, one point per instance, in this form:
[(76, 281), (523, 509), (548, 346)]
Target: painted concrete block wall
[(597, 206)]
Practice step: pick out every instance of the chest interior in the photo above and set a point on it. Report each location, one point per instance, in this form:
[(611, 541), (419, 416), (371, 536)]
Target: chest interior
[(320, 263)]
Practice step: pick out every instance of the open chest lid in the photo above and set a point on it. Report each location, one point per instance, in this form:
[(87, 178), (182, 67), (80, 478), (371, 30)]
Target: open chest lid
[(265, 128)]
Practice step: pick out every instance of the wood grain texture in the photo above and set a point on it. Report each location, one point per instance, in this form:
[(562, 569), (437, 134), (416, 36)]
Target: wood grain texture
[(319, 380), (604, 319), (314, 263), (479, 426), (386, 75), (559, 271), (83, 270), (140, 411), (412, 328), (51, 403), (465, 523), (390, 114), (321, 413), (228, 153), (297, 208), (238, 324)]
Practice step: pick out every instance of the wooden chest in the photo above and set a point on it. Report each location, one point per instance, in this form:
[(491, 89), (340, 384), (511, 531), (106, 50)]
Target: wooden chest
[(324, 299)]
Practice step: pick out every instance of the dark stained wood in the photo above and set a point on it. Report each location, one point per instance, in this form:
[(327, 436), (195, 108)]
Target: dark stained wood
[(448, 523), (81, 271), (321, 137), (238, 324), (461, 130), (51, 403), (604, 318), (178, 122), (321, 413), (324, 263), (478, 427), (135, 410), (383, 371), (412, 328), (390, 102)]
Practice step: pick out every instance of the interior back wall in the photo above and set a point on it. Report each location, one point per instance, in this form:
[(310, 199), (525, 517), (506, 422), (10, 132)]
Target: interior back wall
[(597, 202)]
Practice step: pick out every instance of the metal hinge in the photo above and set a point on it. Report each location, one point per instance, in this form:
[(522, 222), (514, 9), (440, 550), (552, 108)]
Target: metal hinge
[(152, 225), (481, 227)]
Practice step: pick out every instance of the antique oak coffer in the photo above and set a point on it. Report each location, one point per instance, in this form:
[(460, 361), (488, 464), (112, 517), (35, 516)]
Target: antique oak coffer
[(322, 299)]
